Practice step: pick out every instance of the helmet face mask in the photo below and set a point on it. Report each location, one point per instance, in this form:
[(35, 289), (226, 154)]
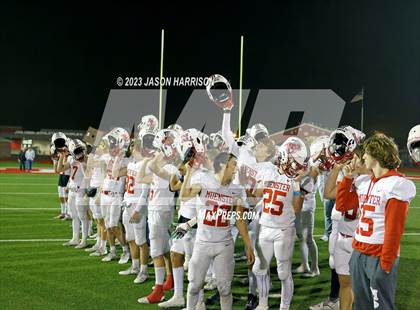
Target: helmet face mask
[(319, 157), (343, 142), (191, 148), (220, 92), (77, 149), (293, 157), (166, 140), (413, 144)]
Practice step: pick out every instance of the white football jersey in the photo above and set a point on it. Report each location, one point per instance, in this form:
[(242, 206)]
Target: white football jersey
[(373, 197), (77, 174), (97, 172), (309, 202), (160, 196), (214, 203), (277, 209), (321, 180), (133, 188), (348, 220), (111, 184), (246, 168), (188, 209)]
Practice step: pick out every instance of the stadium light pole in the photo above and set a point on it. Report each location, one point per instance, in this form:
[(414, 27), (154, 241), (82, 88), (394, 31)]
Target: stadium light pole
[(162, 45), (240, 86)]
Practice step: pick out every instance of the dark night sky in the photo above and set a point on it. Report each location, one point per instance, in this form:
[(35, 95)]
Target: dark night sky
[(58, 64)]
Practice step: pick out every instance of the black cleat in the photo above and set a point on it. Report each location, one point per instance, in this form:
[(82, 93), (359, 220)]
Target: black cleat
[(252, 302)]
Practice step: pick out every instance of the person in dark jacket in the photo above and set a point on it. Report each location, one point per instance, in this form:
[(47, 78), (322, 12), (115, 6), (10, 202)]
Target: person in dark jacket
[(22, 159)]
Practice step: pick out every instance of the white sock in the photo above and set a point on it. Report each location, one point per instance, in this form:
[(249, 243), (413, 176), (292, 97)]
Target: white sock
[(201, 296), (286, 291), (62, 208), (104, 244), (178, 274), (143, 268), (75, 224), (90, 231), (252, 283), (125, 248), (226, 302), (66, 208), (160, 275), (135, 263), (263, 283), (85, 230), (113, 249)]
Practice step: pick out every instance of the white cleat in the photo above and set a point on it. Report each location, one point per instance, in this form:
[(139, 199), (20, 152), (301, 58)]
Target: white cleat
[(300, 269), (124, 258), (81, 245), (92, 249), (93, 236), (211, 285), (200, 306), (110, 257), (71, 243), (141, 277), (99, 252), (261, 307), (311, 274), (128, 271), (327, 304), (174, 302)]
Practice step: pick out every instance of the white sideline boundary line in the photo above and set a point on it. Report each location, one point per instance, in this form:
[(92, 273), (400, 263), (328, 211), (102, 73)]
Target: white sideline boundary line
[(23, 209), (19, 183), (15, 193)]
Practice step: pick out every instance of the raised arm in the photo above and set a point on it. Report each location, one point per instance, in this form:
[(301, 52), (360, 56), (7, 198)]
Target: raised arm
[(188, 190)]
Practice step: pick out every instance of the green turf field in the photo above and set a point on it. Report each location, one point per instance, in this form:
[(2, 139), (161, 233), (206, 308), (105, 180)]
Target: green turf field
[(37, 272)]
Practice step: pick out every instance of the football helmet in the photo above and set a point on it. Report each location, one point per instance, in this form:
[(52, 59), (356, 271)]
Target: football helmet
[(220, 92), (217, 141), (258, 132), (77, 149), (246, 140), (192, 148), (167, 141), (413, 144), (146, 138), (204, 138), (176, 128), (149, 122), (318, 150), (342, 142), (59, 140), (293, 156)]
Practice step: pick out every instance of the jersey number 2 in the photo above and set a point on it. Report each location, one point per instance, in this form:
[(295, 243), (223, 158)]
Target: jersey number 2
[(272, 199)]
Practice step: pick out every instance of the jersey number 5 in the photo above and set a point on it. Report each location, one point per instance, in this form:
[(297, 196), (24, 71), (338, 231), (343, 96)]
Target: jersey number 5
[(367, 221)]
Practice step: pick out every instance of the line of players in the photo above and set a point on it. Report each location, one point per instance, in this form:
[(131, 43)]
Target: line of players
[(137, 182)]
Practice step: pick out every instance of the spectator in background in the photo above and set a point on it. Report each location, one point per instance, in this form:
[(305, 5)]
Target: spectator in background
[(22, 159), (29, 156)]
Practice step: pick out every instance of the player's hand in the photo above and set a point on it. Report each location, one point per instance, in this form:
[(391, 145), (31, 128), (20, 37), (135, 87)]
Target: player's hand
[(300, 175), (181, 230), (250, 256), (349, 169), (135, 217), (182, 169)]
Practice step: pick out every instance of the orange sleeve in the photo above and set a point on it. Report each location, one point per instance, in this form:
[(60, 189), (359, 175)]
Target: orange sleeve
[(346, 200), (395, 214)]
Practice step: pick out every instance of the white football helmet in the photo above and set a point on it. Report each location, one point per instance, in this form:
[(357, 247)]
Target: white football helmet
[(220, 92), (192, 148), (59, 140), (176, 128), (148, 122), (319, 156), (167, 141), (342, 143), (217, 141), (146, 137), (258, 132), (205, 138), (246, 140), (413, 144), (77, 149), (293, 156)]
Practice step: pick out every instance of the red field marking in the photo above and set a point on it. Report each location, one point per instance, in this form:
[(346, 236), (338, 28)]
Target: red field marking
[(6, 170)]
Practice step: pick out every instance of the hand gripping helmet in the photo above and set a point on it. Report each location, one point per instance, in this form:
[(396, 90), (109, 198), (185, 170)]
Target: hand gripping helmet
[(192, 148), (167, 141), (77, 149), (59, 140), (343, 142), (413, 144), (293, 156), (220, 92), (319, 156)]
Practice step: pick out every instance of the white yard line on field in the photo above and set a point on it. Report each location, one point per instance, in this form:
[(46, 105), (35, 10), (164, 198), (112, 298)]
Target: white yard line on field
[(17, 193), (23, 183), (24, 209)]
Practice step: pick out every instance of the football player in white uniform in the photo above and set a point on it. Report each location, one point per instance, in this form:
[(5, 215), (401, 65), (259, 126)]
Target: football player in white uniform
[(413, 144), (160, 212), (383, 199), (78, 204), (96, 169), (112, 191), (59, 145), (193, 152), (217, 198), (279, 188)]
